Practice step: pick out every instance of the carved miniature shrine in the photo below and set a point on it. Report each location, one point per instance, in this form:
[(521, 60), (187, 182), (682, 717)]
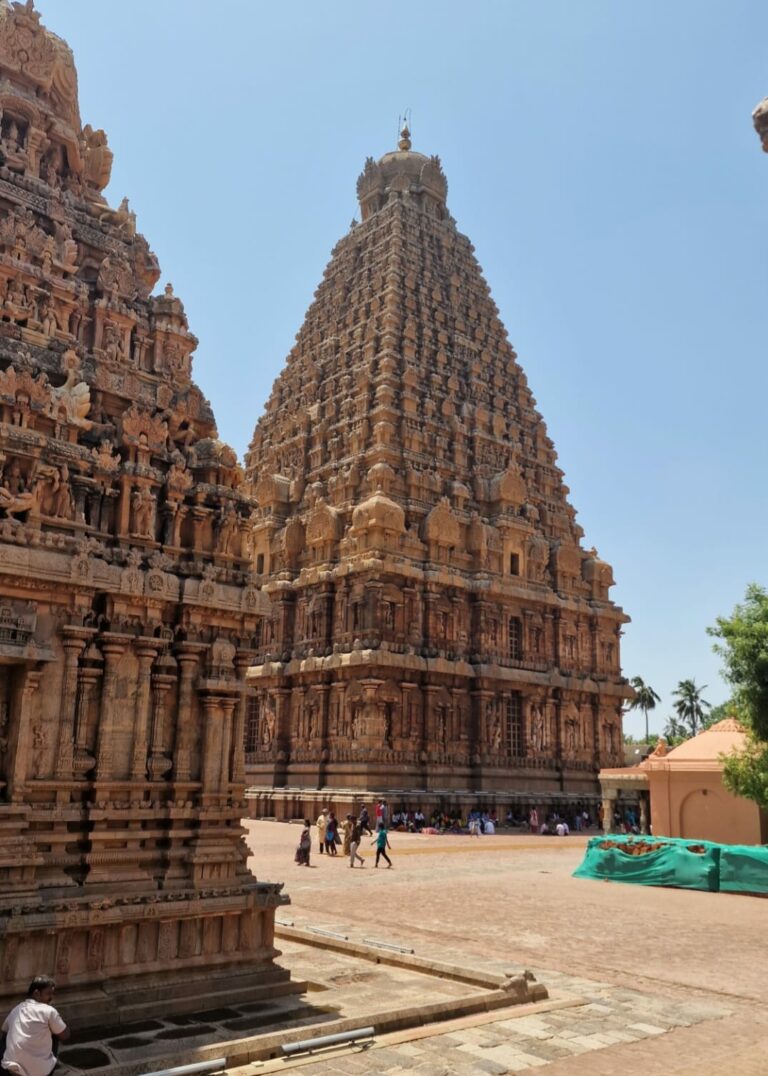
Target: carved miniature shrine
[(128, 613), (438, 623)]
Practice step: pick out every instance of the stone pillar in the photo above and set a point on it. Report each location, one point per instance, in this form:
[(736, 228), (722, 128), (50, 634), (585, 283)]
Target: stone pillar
[(644, 812), (226, 775), (17, 770), (159, 764), (212, 746), (113, 650), (609, 802), (73, 642), (188, 658), (242, 662), (283, 738), (89, 674), (146, 652)]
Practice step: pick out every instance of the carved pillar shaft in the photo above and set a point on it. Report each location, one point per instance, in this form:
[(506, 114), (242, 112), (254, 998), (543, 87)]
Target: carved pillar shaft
[(242, 662), (146, 655), (73, 648), (227, 709), (112, 652), (18, 768), (188, 662)]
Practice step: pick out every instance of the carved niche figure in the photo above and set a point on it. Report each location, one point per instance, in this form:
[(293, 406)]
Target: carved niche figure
[(67, 247), (537, 727), (113, 344), (47, 315), (143, 507), (72, 400), (227, 530), (17, 305), (178, 480), (97, 157), (62, 505), (269, 723)]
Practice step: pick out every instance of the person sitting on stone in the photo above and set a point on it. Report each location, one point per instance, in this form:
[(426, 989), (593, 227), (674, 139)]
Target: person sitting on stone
[(33, 1032)]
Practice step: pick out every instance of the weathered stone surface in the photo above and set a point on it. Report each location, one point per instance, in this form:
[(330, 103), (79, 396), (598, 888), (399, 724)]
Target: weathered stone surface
[(128, 612), (438, 624)]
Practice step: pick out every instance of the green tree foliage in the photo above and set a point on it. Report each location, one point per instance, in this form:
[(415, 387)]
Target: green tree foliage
[(645, 699), (690, 707), (744, 650), (743, 647), (675, 731), (719, 713)]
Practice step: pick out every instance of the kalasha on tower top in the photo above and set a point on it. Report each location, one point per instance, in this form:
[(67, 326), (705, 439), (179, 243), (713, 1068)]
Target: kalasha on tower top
[(440, 624)]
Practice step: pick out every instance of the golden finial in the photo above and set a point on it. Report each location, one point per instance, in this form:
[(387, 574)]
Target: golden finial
[(405, 139)]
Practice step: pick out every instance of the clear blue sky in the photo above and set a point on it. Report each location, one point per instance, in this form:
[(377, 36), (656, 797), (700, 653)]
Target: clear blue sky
[(602, 160)]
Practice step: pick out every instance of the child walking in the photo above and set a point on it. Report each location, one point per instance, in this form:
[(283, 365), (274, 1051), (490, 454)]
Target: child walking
[(382, 844)]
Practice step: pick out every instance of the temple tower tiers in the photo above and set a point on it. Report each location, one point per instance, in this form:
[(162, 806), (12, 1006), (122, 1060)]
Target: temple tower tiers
[(128, 612), (438, 624)]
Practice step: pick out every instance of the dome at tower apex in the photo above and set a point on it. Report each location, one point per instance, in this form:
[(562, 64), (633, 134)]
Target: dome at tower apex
[(405, 174)]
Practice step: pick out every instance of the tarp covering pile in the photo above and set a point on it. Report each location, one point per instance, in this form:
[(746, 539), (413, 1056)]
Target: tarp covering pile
[(744, 868), (670, 861)]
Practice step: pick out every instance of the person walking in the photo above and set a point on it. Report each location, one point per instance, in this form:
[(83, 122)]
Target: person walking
[(331, 833), (322, 822), (346, 831), (533, 820), (355, 836), (364, 821), (33, 1031), (305, 845), (382, 844)]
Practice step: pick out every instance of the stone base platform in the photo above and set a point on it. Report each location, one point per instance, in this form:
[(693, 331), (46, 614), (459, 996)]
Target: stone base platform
[(289, 804), (118, 958), (348, 985)]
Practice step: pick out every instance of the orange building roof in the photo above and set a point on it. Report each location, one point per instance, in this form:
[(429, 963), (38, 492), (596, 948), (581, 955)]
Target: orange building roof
[(707, 746)]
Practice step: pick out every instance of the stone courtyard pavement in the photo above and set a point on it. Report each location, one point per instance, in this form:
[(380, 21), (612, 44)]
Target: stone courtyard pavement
[(641, 980)]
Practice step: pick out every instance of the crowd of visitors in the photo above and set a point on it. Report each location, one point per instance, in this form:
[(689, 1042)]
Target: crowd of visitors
[(348, 835), (557, 821)]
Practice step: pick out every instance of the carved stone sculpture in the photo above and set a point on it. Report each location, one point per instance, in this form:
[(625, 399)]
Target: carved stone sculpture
[(122, 689)]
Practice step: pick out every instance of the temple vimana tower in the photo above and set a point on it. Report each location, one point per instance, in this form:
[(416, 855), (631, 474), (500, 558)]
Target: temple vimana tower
[(128, 611), (437, 623)]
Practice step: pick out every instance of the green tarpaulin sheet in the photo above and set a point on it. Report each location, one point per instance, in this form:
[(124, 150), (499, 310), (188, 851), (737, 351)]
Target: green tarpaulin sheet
[(744, 868), (671, 864)]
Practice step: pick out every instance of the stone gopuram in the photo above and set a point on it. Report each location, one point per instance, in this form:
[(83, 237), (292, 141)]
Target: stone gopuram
[(128, 613), (438, 624)]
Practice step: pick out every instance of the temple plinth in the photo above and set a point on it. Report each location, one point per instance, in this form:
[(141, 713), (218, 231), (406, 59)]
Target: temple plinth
[(438, 623)]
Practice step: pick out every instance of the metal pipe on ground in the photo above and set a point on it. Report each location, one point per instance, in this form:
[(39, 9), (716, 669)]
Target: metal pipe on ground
[(307, 1045), (216, 1065), (328, 933), (388, 945)]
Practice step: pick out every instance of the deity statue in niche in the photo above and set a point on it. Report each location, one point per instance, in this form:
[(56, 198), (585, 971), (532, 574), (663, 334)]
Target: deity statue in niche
[(538, 733), (227, 532), (143, 506)]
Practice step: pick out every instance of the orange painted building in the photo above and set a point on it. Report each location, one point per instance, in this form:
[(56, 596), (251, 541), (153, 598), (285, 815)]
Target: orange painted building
[(686, 791)]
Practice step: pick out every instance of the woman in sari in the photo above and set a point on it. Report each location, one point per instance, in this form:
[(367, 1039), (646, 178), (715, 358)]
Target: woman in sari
[(305, 845)]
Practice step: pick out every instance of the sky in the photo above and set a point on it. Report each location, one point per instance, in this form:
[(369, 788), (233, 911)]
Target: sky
[(602, 160)]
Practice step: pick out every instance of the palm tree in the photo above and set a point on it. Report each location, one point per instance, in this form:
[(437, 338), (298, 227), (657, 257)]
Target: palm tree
[(690, 707), (675, 731), (645, 699)]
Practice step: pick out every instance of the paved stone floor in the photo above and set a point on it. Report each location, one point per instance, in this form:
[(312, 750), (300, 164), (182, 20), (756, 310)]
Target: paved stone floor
[(651, 981)]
